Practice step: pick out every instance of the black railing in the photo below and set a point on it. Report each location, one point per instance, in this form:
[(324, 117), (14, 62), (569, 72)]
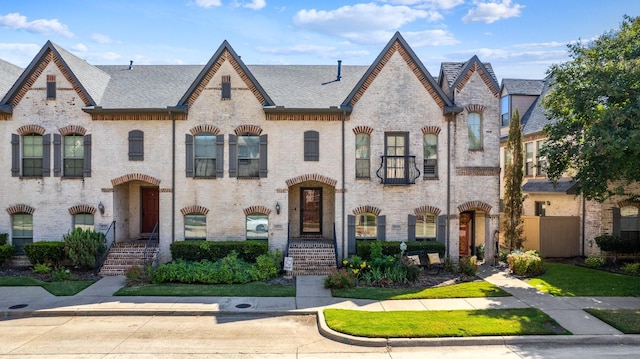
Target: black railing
[(335, 244), (147, 247), (107, 243), (398, 170)]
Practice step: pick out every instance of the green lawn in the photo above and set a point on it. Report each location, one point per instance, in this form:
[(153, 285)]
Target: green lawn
[(64, 288), (253, 289), (478, 289), (625, 320), (440, 323), (568, 280)]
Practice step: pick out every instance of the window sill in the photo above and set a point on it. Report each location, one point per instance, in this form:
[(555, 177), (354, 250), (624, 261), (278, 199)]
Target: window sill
[(31, 177), (431, 178)]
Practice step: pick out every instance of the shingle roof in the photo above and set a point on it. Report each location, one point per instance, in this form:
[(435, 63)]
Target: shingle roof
[(535, 119), (523, 87), (450, 71), (564, 185), (9, 73)]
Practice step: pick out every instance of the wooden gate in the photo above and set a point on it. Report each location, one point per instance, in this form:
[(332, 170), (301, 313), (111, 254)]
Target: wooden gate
[(552, 236)]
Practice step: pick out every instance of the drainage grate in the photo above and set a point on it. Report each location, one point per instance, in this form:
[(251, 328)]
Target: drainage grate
[(243, 305), (18, 306)]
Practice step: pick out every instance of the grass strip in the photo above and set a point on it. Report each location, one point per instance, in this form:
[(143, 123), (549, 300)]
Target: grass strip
[(63, 288), (566, 280), (252, 289), (479, 289), (625, 320), (441, 323)]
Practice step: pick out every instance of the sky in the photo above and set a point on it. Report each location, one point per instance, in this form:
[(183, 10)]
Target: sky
[(520, 38)]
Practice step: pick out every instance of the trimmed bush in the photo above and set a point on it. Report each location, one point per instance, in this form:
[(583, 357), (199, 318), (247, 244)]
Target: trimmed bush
[(340, 279), (630, 268), (468, 265), (84, 246), (528, 264), (45, 252), (228, 270), (6, 252), (4, 238), (267, 266), (595, 261), (212, 251), (611, 243), (363, 247)]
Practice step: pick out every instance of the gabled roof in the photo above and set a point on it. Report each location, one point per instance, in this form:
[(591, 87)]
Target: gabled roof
[(534, 120), (89, 81), (456, 74), (397, 43), (224, 53), (523, 87), (9, 73)]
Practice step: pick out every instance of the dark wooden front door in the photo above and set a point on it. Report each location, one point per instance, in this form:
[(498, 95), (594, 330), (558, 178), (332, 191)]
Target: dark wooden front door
[(150, 208), (466, 231), (311, 210)]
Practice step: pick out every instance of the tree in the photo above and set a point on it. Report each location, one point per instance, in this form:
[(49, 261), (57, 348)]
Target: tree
[(512, 222), (595, 103)]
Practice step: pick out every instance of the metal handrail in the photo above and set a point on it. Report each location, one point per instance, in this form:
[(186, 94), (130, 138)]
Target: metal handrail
[(335, 244), (146, 246), (398, 170), (286, 251), (107, 242)]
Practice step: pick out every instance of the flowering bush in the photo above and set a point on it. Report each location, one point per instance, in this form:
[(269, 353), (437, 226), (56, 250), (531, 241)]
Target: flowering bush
[(355, 265), (595, 261), (340, 279), (527, 263)]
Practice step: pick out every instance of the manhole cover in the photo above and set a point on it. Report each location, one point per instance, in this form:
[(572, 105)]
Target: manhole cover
[(243, 305), (18, 306)]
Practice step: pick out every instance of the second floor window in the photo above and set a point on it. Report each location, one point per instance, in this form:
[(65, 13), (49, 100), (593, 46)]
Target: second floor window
[(528, 159), (396, 152), (474, 124), (541, 166), (430, 151), (311, 146), (205, 155), (248, 156), (32, 152), (363, 155), (504, 106), (73, 155)]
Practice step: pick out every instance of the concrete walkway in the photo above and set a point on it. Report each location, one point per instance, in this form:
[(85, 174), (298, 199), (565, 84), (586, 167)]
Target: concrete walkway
[(311, 297)]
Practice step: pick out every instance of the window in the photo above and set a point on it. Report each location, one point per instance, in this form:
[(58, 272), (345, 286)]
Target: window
[(366, 226), (430, 149), (629, 224), (32, 152), (396, 147), (248, 156), (474, 123), (226, 87), (136, 145), (73, 155), (528, 159), (504, 105), (257, 226), (83, 220), (51, 87), (205, 155), (195, 227), (541, 208), (311, 146), (426, 227), (21, 231), (363, 155), (541, 167)]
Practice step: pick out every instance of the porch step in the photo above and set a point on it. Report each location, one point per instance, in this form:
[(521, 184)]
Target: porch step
[(125, 255), (312, 256)]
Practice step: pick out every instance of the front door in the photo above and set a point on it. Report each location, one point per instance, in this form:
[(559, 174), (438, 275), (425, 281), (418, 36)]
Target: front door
[(150, 208), (466, 230), (311, 210)]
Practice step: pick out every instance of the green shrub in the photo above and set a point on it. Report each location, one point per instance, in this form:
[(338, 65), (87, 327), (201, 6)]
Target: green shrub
[(45, 252), (502, 256), (611, 243), (61, 274), (528, 264), (138, 275), (631, 268), (595, 261), (4, 238), (340, 279), (84, 246), (480, 252), (6, 252), (468, 265), (267, 266), (41, 268), (228, 270), (212, 251), (392, 248)]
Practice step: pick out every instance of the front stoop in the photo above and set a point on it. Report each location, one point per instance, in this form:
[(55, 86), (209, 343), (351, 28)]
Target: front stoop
[(312, 256), (124, 255)]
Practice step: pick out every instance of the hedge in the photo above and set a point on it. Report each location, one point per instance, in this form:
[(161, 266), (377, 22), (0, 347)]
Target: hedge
[(6, 252), (45, 252), (363, 248), (212, 251)]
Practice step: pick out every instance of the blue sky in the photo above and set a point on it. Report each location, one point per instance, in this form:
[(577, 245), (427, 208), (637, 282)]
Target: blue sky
[(520, 38)]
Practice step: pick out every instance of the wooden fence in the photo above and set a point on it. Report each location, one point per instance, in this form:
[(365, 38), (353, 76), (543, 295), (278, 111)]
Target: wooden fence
[(552, 236)]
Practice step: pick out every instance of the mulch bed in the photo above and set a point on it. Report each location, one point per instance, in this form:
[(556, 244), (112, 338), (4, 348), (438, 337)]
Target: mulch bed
[(81, 274)]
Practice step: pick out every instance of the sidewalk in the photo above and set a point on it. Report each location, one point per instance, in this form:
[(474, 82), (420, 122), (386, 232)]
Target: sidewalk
[(311, 298)]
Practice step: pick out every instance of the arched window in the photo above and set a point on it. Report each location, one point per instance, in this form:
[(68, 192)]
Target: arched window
[(257, 226), (195, 227), (363, 155), (426, 227), (474, 124), (366, 226), (83, 220)]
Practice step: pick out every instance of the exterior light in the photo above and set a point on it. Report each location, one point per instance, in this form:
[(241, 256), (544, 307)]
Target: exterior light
[(101, 207), (277, 208)]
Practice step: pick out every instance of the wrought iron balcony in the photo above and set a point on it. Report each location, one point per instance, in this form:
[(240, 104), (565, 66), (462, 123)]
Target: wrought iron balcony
[(398, 170)]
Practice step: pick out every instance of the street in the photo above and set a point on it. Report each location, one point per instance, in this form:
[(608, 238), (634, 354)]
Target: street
[(239, 335)]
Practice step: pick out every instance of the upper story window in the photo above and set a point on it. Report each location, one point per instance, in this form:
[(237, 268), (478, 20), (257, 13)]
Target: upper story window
[(204, 155), (21, 231), (474, 125), (30, 152), (257, 226), (311, 146), (32, 155), (396, 147), (248, 155), (426, 227), (195, 227), (136, 145), (83, 220), (528, 159), (72, 153), (504, 109), (51, 87), (430, 152), (541, 166), (226, 87), (73, 157), (363, 155)]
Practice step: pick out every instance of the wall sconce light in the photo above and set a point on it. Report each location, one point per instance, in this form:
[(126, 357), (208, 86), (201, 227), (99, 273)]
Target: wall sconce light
[(548, 203), (101, 207), (277, 208)]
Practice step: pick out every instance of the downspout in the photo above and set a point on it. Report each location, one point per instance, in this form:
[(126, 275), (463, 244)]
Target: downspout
[(584, 211), (447, 224), (173, 177), (344, 191)]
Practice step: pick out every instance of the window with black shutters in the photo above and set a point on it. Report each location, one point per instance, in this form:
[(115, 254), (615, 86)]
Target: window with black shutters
[(136, 145), (311, 146)]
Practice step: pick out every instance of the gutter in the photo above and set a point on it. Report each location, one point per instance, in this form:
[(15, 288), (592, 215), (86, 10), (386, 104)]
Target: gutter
[(100, 110), (344, 244)]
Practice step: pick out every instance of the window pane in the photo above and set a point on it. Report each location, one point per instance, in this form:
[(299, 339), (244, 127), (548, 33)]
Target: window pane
[(22, 226), (73, 147), (32, 145), (195, 226), (474, 124), (426, 226), (362, 146), (362, 168), (205, 167), (249, 147), (205, 144), (32, 167), (83, 220), (430, 146), (73, 168), (366, 226), (257, 226)]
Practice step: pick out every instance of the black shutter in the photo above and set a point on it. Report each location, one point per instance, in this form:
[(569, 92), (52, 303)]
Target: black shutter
[(46, 155), (263, 156), (219, 156), (615, 231), (57, 155), (136, 145), (441, 231), (411, 230), (15, 155), (226, 87), (87, 156), (51, 90), (382, 228), (188, 141), (311, 146), (233, 156), (351, 234)]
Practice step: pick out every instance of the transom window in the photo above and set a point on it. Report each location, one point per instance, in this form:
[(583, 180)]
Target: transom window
[(32, 152), (366, 226), (195, 227), (474, 124), (363, 155), (426, 227), (257, 226), (430, 150), (248, 156), (83, 220), (205, 155), (73, 155), (21, 231)]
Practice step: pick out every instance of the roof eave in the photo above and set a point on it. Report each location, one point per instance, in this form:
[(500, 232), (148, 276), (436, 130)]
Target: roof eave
[(100, 110), (282, 109)]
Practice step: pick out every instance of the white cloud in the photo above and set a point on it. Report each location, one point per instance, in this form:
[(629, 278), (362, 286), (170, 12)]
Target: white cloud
[(41, 26), (208, 3), (255, 4), (101, 38), (493, 11), (360, 21), (18, 54), (431, 4), (430, 38), (80, 47)]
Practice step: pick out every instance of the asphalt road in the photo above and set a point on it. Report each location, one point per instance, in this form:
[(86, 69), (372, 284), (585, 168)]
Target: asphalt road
[(236, 336)]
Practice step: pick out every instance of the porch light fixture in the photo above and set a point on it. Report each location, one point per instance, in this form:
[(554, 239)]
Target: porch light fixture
[(548, 203), (101, 207), (277, 208)]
